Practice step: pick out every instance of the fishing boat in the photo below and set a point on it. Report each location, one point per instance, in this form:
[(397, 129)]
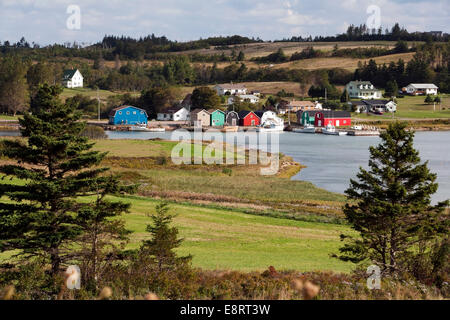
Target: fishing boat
[(331, 130), (230, 129), (308, 128), (154, 129), (143, 127), (272, 127)]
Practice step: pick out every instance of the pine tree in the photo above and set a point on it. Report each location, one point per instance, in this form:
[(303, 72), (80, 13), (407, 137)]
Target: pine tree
[(103, 238), (390, 206), (159, 250), (55, 167)]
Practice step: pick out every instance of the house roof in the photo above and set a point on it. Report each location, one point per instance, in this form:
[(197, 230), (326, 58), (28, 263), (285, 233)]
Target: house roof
[(244, 113), (112, 113), (358, 83), (68, 74), (300, 103), (336, 114), (231, 86), (310, 112), (172, 110), (260, 113), (248, 96), (232, 112), (376, 102), (196, 111), (423, 85)]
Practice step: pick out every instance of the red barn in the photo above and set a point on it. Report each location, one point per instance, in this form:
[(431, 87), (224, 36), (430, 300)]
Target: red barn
[(248, 118), (335, 118)]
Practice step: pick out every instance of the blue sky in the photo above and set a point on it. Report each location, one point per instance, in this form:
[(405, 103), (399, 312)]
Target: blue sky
[(44, 21)]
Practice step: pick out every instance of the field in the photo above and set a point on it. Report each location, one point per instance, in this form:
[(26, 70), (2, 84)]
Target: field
[(227, 239), (213, 211), (262, 49), (91, 93), (238, 220), (414, 108)]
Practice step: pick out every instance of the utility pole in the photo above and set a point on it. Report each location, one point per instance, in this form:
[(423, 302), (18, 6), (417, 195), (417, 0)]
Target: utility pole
[(325, 94), (98, 105)]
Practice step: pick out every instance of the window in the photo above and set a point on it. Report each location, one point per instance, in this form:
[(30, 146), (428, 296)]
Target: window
[(120, 112), (142, 112), (128, 112), (134, 112)]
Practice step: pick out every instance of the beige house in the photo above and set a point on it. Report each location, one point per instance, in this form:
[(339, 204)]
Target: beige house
[(299, 105), (200, 118)]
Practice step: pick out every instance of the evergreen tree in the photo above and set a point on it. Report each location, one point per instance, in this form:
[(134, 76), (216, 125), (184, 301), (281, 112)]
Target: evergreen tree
[(102, 239), (391, 88), (55, 167), (344, 96), (241, 56), (13, 86), (428, 99), (390, 206), (204, 97), (159, 250)]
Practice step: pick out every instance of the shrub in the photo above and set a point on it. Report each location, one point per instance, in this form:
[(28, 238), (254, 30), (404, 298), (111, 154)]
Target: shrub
[(94, 132)]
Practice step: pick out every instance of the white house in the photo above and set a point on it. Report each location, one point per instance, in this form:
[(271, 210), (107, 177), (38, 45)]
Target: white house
[(422, 89), (244, 97), (174, 114), (362, 90), (231, 89), (72, 79)]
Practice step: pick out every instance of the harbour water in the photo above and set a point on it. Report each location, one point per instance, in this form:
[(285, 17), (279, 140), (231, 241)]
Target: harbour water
[(332, 160)]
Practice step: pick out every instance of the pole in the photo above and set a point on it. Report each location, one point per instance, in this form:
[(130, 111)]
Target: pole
[(98, 105)]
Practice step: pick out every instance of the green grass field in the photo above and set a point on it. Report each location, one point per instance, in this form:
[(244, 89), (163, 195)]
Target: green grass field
[(8, 117), (221, 236), (411, 107), (102, 94), (226, 239)]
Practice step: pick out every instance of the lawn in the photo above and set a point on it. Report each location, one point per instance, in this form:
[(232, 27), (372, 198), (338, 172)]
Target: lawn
[(92, 93), (8, 117), (232, 221), (411, 107), (226, 239)]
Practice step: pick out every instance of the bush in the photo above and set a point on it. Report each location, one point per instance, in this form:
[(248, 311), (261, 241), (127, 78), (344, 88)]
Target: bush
[(227, 171), (94, 132)]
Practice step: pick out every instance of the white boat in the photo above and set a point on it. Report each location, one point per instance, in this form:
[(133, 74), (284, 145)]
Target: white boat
[(308, 128), (271, 128), (144, 127), (156, 129), (331, 130)]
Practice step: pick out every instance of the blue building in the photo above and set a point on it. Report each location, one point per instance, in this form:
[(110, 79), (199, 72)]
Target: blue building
[(127, 115)]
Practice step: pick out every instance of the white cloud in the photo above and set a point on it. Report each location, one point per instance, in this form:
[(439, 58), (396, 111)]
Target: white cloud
[(45, 20)]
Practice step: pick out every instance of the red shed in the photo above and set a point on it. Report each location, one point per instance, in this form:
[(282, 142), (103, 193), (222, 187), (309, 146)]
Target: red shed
[(335, 118), (248, 118)]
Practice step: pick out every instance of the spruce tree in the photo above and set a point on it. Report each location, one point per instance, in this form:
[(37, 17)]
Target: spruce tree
[(159, 249), (54, 168), (390, 206)]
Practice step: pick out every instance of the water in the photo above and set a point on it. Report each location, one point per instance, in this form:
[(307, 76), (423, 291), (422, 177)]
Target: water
[(332, 160)]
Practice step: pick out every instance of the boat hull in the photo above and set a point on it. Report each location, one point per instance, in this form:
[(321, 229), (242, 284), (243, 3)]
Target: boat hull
[(305, 130)]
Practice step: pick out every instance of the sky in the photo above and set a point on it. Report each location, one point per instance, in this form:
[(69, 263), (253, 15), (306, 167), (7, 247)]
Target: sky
[(47, 22)]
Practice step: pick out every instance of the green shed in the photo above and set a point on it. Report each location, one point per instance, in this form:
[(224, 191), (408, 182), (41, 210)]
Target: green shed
[(217, 118), (307, 116)]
